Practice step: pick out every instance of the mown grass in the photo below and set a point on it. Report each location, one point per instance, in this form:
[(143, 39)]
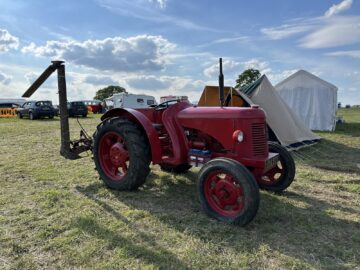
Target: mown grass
[(55, 213)]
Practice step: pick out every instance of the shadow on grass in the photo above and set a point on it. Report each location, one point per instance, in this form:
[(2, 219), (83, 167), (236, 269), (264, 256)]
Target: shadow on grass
[(330, 155), (151, 254), (279, 224)]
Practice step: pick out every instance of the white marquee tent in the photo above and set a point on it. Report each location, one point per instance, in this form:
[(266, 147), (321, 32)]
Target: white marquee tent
[(312, 99)]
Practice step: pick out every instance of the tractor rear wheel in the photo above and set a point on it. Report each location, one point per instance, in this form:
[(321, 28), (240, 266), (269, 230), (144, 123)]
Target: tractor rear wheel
[(179, 169), (121, 154), (281, 176), (228, 191)]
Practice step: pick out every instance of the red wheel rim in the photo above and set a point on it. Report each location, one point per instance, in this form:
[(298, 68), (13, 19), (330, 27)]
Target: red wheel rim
[(223, 194), (274, 175), (113, 156)]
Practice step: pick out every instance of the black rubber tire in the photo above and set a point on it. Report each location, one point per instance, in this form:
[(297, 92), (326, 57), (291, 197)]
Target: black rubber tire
[(20, 115), (179, 169), (84, 115), (138, 148), (51, 117), (244, 178), (31, 116), (288, 164)]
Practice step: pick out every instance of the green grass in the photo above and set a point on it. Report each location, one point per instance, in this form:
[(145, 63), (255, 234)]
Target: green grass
[(56, 213)]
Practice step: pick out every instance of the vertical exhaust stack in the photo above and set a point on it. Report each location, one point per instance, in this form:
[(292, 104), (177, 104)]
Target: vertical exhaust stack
[(221, 84)]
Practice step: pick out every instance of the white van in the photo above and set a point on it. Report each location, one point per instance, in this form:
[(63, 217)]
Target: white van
[(126, 100)]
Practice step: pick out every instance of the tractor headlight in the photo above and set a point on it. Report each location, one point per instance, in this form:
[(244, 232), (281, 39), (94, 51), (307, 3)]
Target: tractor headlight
[(238, 136)]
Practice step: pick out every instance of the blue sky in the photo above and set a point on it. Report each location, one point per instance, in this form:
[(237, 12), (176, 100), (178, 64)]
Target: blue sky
[(162, 47)]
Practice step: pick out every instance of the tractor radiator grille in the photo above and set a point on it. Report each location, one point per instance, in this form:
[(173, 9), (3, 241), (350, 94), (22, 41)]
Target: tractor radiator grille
[(259, 139)]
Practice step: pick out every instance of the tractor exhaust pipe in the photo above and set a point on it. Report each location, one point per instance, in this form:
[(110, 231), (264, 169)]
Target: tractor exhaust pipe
[(221, 84)]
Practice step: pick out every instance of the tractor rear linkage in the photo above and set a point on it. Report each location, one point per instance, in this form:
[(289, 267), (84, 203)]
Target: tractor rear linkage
[(69, 149)]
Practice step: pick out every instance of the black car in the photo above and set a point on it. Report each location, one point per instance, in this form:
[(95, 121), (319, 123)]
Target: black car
[(36, 109), (77, 108)]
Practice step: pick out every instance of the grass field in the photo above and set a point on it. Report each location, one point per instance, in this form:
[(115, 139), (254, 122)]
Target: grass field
[(56, 213)]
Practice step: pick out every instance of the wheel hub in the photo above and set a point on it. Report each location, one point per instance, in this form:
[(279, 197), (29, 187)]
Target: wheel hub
[(226, 192), (118, 154), (224, 195)]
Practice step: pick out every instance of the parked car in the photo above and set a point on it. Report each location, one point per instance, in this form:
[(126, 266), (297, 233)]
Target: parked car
[(77, 108), (36, 109), (56, 110), (93, 106)]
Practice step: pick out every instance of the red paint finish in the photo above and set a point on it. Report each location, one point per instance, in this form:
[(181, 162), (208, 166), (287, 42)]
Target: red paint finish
[(172, 131), (114, 156), (223, 194), (143, 123), (176, 133)]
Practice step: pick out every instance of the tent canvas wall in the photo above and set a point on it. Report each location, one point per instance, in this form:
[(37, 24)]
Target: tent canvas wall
[(312, 99), (285, 125)]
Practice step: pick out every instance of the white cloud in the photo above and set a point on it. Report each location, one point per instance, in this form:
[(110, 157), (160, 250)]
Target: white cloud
[(139, 53), (335, 9), (4, 79), (161, 3), (231, 67), (149, 82), (320, 32), (143, 10), (354, 53), (31, 77), (286, 30), (50, 83), (7, 41), (100, 80), (276, 77), (337, 31), (228, 66)]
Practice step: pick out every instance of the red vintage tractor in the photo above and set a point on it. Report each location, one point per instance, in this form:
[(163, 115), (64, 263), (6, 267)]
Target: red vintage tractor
[(230, 143)]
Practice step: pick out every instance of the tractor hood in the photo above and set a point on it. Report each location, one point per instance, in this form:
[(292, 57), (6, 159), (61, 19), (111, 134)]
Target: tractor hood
[(221, 113)]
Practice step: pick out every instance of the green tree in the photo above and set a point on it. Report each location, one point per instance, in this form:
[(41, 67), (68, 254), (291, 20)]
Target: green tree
[(106, 92), (248, 76)]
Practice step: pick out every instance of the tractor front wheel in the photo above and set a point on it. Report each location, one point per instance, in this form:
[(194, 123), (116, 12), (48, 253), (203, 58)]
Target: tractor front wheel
[(282, 175), (228, 191), (121, 154)]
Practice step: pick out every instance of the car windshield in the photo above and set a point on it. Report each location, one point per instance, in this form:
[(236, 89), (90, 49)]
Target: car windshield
[(43, 103)]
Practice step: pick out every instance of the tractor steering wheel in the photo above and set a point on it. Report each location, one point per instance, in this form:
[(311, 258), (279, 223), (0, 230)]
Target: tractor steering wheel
[(164, 105)]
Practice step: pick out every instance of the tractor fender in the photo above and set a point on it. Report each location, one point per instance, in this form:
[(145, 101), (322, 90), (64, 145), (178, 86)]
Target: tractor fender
[(144, 123)]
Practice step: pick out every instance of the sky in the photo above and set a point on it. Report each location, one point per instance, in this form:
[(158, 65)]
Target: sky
[(172, 47)]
